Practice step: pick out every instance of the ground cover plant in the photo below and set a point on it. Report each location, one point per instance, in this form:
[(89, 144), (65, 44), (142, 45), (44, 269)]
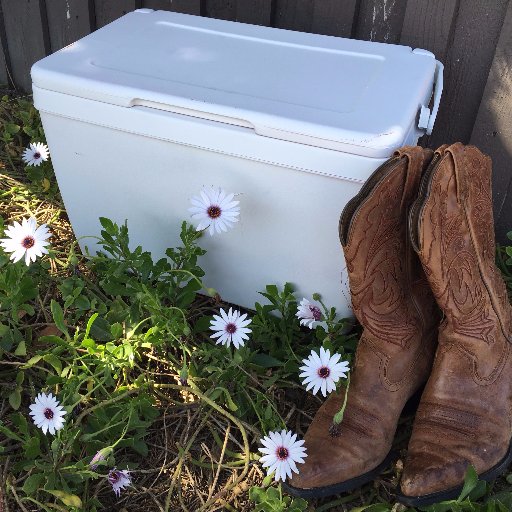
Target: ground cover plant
[(122, 387)]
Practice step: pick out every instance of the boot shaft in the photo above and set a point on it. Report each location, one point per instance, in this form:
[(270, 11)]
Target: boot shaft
[(390, 295), (452, 229)]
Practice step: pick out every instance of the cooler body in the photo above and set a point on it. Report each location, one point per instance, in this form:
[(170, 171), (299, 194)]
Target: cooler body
[(137, 150)]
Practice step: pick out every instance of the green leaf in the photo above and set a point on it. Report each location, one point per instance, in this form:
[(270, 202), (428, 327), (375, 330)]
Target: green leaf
[(33, 483), (83, 303), (32, 448), (21, 349), (116, 330), (20, 422), (15, 399), (72, 500), (20, 377), (9, 433), (28, 309), (108, 225), (11, 128), (470, 482), (32, 361), (231, 405), (265, 361), (53, 360), (58, 317)]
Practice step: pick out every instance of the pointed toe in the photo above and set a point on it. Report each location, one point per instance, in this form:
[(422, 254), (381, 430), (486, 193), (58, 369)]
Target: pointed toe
[(422, 478)]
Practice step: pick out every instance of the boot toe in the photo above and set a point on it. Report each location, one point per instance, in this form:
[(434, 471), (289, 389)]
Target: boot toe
[(428, 474), (324, 469)]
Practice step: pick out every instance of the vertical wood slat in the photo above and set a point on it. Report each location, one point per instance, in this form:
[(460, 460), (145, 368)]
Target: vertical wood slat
[(330, 17), (184, 6), (27, 37), (68, 21), (256, 12), (221, 9), (492, 132), (4, 80), (467, 65), (380, 20), (334, 17), (109, 10), (428, 24), (4, 56)]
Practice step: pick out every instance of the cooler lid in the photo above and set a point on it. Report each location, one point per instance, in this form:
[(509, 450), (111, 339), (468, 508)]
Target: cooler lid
[(355, 96)]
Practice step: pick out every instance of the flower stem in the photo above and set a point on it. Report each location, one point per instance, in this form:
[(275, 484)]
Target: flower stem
[(338, 417), (334, 429)]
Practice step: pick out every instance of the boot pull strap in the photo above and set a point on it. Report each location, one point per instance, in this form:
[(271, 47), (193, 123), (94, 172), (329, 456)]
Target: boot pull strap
[(415, 156), (458, 155)]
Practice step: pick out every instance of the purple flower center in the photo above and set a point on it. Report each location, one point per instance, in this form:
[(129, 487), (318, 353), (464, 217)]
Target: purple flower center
[(114, 477), (37, 155), (282, 453), (231, 328), (324, 372), (315, 311), (28, 242), (213, 211), (48, 413)]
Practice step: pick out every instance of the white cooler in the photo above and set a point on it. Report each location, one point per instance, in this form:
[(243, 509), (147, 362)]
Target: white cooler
[(145, 112)]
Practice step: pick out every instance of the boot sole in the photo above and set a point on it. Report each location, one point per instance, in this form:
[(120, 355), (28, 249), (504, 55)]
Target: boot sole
[(358, 481), (346, 486), (454, 492)]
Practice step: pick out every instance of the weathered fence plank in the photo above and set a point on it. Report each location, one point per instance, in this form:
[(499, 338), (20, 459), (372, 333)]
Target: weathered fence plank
[(330, 17), (109, 10), (294, 14), (3, 67), (380, 20), (257, 12), (221, 9), (467, 65), (184, 6), (26, 28), (68, 21), (334, 17), (428, 25), (492, 132), (4, 55)]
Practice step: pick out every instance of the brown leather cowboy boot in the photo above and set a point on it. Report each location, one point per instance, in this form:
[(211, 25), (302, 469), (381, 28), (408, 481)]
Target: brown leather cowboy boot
[(392, 301), (465, 412)]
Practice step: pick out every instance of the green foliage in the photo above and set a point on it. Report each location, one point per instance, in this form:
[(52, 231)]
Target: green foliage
[(270, 499), (20, 124)]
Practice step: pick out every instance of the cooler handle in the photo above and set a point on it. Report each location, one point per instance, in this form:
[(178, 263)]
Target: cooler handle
[(427, 117)]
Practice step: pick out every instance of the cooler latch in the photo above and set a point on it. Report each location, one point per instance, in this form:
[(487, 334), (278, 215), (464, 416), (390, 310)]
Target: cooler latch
[(427, 117)]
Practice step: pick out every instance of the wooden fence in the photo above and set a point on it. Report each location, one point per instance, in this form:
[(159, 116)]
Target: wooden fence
[(473, 38)]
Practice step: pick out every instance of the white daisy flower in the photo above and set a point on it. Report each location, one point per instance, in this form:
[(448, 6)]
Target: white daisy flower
[(282, 452), (119, 479), (308, 313), (35, 154), (26, 239), (230, 327), (321, 372), (215, 210), (47, 413)]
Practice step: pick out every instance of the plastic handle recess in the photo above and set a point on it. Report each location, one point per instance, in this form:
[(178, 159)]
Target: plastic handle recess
[(438, 90)]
